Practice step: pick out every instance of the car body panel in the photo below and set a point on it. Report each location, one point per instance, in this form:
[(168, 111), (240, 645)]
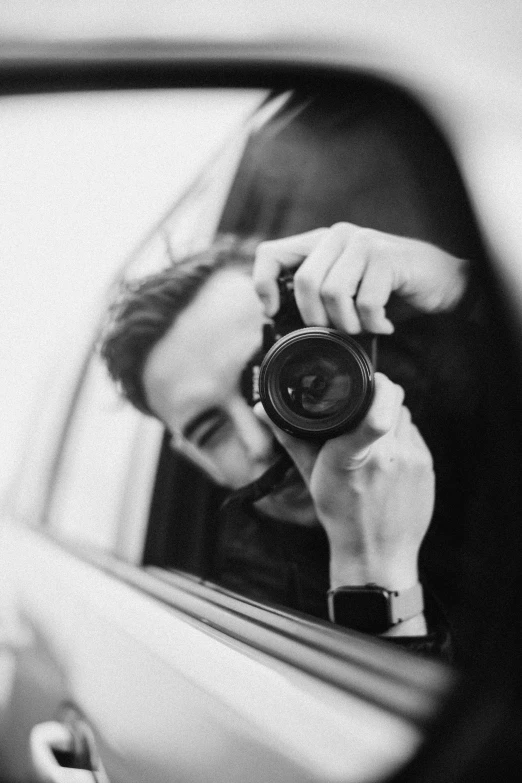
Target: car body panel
[(167, 696)]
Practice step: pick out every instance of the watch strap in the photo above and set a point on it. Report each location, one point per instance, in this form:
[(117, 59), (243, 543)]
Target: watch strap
[(405, 604)]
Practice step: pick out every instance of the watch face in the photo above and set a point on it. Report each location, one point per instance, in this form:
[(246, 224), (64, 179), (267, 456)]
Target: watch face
[(362, 610)]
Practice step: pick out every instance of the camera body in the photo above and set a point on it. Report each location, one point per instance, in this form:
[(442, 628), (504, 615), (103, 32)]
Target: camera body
[(314, 382)]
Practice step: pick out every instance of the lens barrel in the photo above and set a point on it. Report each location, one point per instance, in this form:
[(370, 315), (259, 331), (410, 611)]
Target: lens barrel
[(316, 383)]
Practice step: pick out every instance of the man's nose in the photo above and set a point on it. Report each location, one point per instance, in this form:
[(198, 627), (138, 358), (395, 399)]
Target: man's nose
[(255, 436)]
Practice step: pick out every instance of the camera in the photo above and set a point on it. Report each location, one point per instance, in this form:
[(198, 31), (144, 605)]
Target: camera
[(314, 382)]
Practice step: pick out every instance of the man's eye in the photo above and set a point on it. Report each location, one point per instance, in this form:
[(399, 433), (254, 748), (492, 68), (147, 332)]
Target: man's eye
[(205, 437)]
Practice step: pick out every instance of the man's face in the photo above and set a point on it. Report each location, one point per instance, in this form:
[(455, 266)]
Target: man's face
[(192, 380)]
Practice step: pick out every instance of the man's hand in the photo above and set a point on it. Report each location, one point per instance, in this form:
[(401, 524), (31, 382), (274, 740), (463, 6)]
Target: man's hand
[(373, 491), (346, 275)]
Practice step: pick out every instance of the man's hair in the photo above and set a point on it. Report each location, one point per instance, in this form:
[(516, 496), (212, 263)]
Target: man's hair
[(143, 310)]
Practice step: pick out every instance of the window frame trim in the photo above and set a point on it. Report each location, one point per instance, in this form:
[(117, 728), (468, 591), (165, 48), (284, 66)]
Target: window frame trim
[(412, 688)]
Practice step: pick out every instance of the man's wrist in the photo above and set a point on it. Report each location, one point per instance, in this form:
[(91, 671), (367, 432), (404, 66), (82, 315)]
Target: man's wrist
[(346, 570)]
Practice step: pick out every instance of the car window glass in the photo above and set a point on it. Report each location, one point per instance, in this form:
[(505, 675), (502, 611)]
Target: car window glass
[(27, 494), (84, 176), (193, 221), (359, 152), (366, 154), (88, 148), (95, 491)]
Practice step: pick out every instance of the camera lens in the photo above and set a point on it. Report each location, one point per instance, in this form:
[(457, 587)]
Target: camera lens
[(316, 383)]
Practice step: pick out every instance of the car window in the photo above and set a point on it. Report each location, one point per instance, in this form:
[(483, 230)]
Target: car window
[(81, 179), (365, 153), (105, 473), (361, 152), (191, 224)]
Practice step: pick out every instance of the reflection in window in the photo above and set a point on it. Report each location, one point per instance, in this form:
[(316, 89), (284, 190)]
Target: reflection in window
[(364, 153)]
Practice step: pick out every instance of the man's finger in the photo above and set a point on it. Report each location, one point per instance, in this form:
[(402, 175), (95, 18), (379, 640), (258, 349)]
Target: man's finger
[(340, 286), (350, 451), (407, 432), (309, 278), (373, 295), (275, 255)]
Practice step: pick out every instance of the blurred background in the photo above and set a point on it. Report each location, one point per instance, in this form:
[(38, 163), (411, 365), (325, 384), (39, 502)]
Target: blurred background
[(83, 177)]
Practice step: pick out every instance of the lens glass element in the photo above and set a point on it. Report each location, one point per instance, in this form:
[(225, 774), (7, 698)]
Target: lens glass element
[(316, 384)]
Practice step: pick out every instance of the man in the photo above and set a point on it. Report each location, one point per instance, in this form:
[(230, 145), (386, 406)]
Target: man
[(178, 342)]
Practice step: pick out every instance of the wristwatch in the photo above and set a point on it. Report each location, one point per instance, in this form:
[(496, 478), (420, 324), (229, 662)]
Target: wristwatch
[(373, 609)]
